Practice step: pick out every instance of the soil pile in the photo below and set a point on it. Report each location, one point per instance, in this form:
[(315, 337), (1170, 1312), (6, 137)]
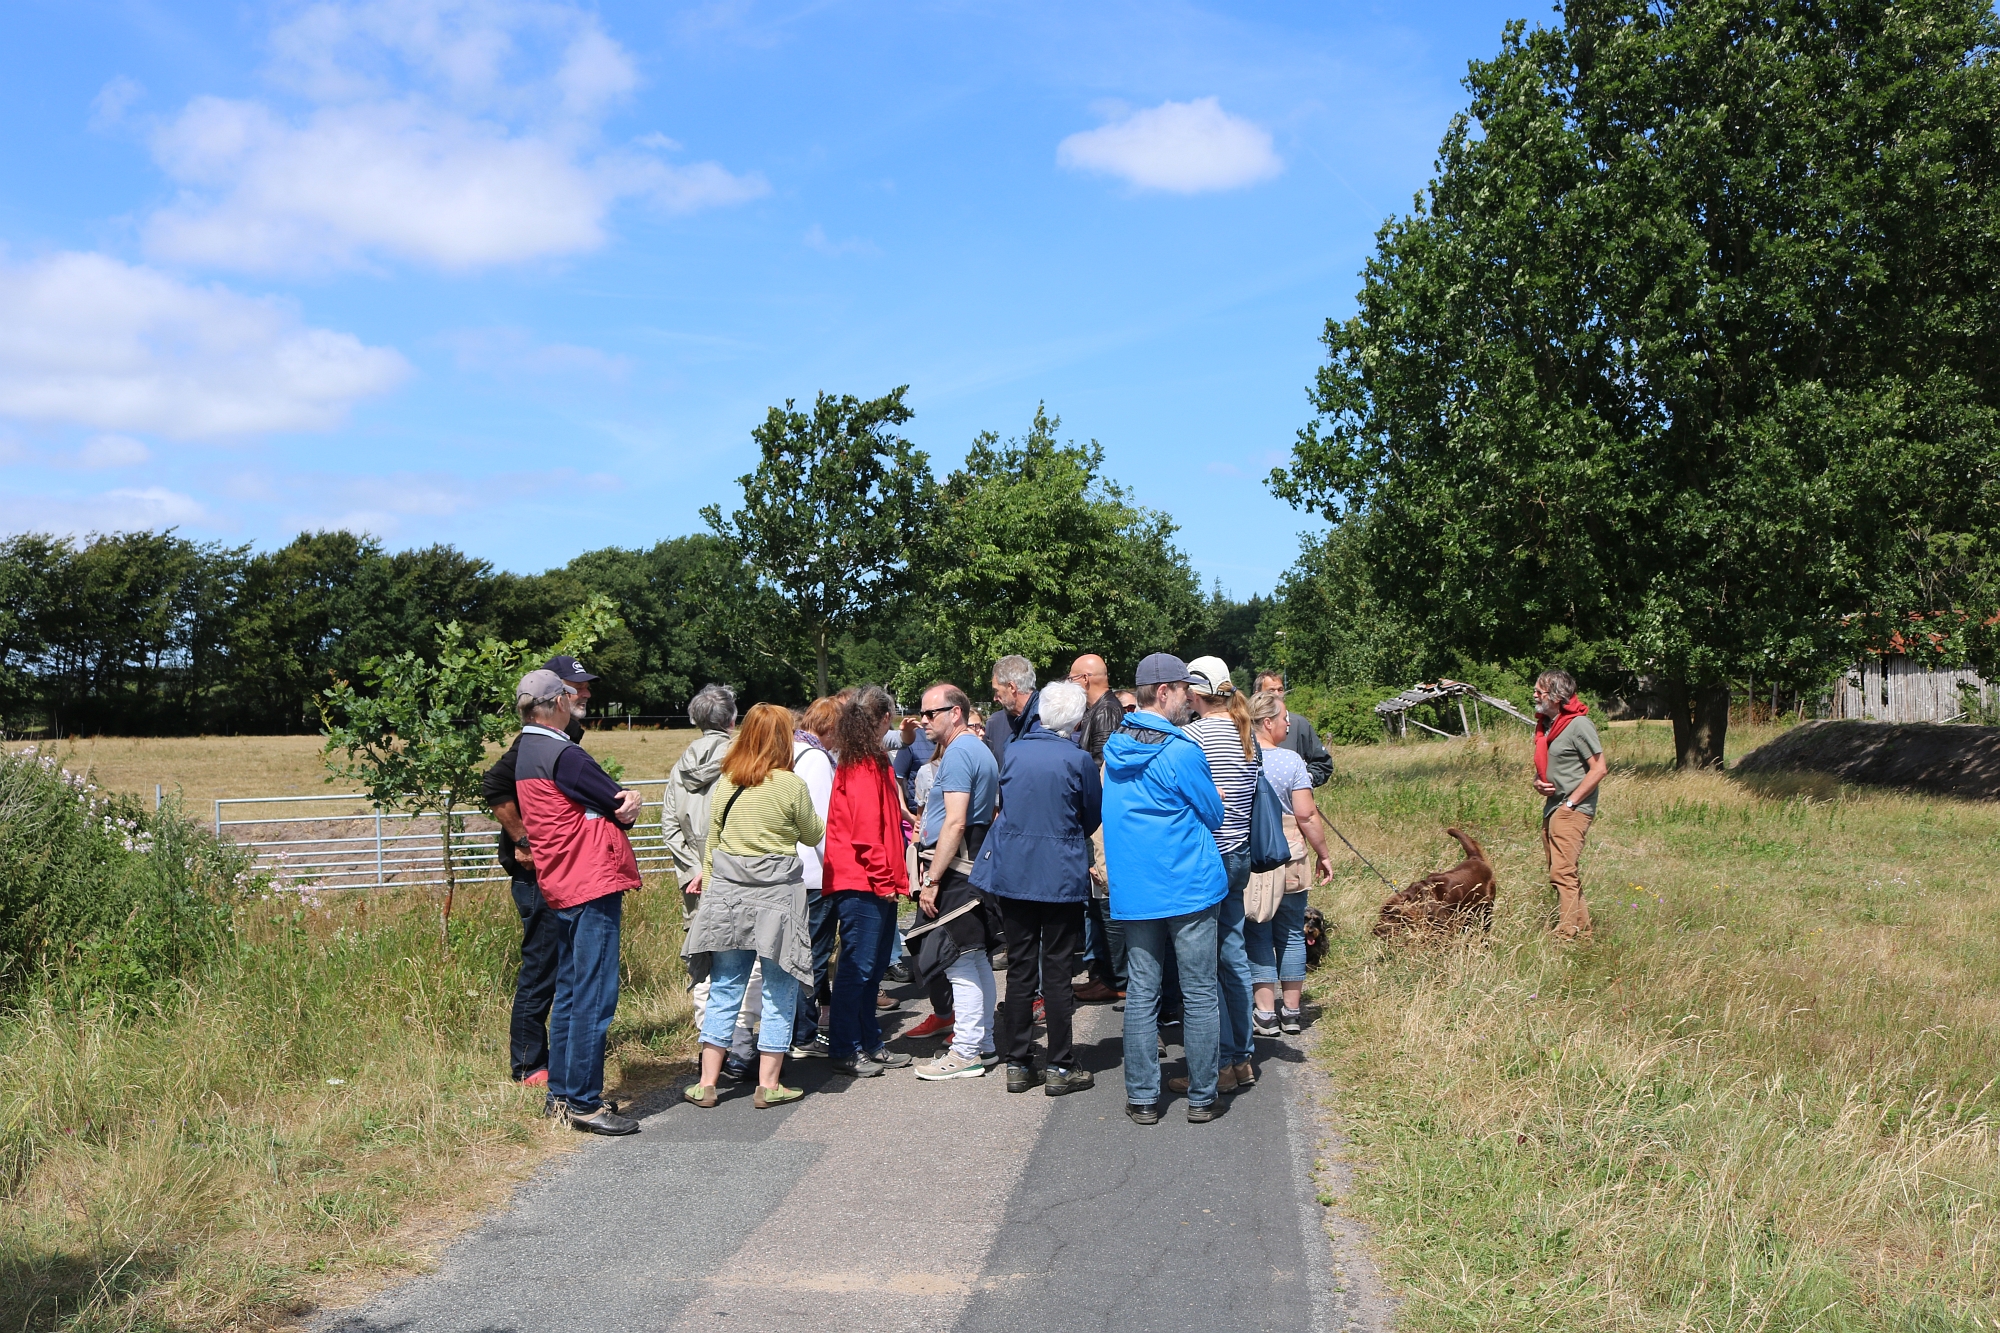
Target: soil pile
[(1950, 760)]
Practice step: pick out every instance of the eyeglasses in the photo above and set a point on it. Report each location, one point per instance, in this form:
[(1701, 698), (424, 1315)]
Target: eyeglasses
[(928, 713), (1130, 708)]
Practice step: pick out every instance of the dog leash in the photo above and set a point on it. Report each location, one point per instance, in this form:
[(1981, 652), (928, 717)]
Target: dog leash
[(1357, 851)]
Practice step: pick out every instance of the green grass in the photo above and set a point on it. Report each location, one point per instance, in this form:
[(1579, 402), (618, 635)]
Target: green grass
[(1761, 1099)]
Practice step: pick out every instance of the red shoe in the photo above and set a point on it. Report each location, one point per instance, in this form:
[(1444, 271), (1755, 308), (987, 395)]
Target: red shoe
[(932, 1026), (1041, 1011), (538, 1079)]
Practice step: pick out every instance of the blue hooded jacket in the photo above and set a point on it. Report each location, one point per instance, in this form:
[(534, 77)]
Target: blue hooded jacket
[(1161, 810), (1039, 846)]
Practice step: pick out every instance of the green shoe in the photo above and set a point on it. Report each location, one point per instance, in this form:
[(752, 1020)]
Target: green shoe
[(704, 1097), (778, 1096)]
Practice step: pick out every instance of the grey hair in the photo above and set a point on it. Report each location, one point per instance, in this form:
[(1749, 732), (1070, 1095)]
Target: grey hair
[(713, 708), (1017, 671), (1559, 683), (528, 707), (1062, 706), (1266, 704)]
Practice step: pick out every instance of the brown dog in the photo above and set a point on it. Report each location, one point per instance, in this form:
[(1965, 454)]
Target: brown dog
[(1444, 900)]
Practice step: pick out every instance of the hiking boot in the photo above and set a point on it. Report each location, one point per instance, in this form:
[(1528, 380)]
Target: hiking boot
[(1246, 1077), (766, 1098), (933, 1026), (1142, 1115), (951, 1065), (1201, 1115), (1225, 1081), (1288, 1020), (1264, 1024), (884, 1058), (737, 1071), (604, 1121), (855, 1066), (899, 972), (1065, 1079), (1022, 1077), (1094, 992)]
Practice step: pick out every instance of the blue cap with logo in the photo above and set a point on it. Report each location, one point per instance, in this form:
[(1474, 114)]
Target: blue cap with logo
[(568, 668)]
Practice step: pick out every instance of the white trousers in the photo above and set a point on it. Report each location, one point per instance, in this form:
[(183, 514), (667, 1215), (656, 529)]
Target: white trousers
[(972, 999)]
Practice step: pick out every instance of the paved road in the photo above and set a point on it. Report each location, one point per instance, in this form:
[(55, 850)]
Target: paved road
[(891, 1204)]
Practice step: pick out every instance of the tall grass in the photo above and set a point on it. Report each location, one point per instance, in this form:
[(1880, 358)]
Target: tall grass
[(1762, 1099), (296, 1114)]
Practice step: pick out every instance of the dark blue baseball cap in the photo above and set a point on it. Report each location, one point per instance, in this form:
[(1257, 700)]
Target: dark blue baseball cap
[(1165, 669), (569, 669)]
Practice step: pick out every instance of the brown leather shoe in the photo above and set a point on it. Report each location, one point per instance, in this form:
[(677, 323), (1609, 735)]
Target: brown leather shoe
[(1246, 1077), (1094, 992), (1225, 1081)]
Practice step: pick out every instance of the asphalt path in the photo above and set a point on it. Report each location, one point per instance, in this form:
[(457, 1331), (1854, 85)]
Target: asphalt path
[(894, 1204)]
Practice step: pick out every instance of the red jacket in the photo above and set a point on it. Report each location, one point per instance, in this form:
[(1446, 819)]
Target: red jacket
[(569, 805), (864, 833)]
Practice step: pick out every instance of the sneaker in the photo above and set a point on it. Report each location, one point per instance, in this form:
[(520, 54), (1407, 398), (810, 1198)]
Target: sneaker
[(1142, 1115), (1094, 992), (991, 1059), (1022, 1077), (1264, 1024), (899, 972), (1288, 1020), (951, 1065), (816, 1050), (1201, 1115), (1041, 1016), (766, 1098), (883, 1001), (884, 1058), (932, 1026), (1172, 1020), (855, 1066), (538, 1079), (1065, 1079), (604, 1121), (737, 1071)]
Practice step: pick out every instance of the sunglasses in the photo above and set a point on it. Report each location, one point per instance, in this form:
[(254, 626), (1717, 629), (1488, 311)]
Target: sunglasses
[(928, 713)]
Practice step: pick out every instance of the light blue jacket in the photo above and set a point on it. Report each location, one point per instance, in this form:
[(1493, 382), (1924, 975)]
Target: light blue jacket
[(1161, 810)]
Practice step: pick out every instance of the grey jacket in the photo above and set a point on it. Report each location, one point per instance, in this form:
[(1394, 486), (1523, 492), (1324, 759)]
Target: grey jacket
[(758, 903), (684, 808)]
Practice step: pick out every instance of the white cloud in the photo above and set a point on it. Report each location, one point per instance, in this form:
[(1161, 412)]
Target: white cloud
[(1182, 147), (510, 350), (89, 340), (110, 451), (122, 510), (458, 133), (113, 100)]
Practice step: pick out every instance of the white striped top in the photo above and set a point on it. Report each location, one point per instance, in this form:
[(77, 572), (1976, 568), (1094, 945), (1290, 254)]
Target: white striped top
[(1235, 777)]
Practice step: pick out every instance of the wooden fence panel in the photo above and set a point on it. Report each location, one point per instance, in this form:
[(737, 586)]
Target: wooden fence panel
[(1899, 690)]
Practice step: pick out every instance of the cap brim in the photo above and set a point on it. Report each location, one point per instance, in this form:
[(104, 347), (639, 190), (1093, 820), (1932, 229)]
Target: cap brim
[(580, 677)]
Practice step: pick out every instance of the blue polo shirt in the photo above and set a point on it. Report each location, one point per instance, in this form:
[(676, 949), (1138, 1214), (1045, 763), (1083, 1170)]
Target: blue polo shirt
[(967, 767)]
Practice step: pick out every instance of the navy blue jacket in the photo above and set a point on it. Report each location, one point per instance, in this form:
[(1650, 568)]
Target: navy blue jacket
[(1050, 804)]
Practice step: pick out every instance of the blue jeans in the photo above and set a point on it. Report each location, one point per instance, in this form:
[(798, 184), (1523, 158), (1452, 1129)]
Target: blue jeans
[(1191, 940), (1277, 948), (819, 916), (586, 998), (1233, 966), (867, 934), (728, 980)]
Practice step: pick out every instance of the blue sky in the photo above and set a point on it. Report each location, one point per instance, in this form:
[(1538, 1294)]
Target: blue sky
[(521, 277)]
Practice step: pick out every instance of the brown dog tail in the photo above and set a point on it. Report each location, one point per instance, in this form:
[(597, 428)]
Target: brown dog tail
[(1470, 843)]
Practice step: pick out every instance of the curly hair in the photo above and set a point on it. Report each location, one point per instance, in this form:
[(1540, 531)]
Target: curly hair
[(863, 719)]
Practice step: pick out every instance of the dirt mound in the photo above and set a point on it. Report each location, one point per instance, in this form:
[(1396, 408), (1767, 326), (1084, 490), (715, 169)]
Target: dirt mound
[(1950, 760)]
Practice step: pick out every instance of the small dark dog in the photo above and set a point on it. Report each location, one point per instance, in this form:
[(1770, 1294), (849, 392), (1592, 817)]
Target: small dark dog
[(1316, 929), (1445, 900)]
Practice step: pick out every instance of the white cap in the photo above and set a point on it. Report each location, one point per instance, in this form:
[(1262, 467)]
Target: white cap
[(1214, 675)]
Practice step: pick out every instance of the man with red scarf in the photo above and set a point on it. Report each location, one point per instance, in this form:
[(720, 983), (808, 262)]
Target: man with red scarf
[(1569, 764)]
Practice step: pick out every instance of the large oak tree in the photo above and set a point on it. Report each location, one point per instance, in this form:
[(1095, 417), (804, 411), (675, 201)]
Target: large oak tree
[(1687, 366)]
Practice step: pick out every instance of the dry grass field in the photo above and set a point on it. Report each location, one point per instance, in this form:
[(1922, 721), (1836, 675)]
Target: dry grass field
[(1761, 1099)]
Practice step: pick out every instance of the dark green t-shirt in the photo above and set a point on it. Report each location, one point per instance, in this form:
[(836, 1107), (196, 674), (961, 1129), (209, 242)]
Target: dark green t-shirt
[(1569, 760)]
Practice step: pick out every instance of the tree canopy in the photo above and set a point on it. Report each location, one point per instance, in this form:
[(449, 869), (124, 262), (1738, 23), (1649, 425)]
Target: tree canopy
[(1687, 363)]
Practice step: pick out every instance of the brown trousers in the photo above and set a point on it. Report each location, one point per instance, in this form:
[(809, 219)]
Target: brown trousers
[(1563, 833)]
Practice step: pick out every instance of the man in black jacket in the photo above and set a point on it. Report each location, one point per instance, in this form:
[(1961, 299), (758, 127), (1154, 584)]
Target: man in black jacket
[(535, 983), (1300, 738), (1103, 938)]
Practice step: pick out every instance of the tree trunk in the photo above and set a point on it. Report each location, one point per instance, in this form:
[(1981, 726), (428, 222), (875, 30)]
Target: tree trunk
[(1701, 722), (450, 880), (819, 660)]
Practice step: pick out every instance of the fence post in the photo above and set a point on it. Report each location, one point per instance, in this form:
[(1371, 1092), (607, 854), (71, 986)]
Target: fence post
[(218, 816), (378, 846)]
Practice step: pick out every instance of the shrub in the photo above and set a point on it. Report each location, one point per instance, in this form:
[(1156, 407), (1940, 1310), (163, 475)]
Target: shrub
[(1342, 714), (99, 896)]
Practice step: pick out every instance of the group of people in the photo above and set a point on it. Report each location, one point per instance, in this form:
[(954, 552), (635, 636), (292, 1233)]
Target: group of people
[(1072, 827)]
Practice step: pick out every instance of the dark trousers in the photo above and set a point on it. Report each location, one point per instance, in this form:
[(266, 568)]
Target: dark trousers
[(534, 984), (586, 999), (825, 927), (867, 939), (1103, 944), (1042, 941)]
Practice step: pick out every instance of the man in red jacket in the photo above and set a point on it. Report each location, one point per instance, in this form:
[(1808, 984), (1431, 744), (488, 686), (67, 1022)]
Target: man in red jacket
[(576, 818)]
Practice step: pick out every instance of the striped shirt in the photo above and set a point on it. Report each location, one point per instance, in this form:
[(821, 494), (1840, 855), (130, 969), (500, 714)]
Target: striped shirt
[(1235, 777)]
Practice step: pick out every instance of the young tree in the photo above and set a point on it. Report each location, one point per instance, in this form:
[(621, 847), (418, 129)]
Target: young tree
[(416, 735), (826, 524), (1031, 550), (1690, 358)]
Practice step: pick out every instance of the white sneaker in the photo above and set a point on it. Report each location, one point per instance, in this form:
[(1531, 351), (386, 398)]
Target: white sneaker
[(951, 1065)]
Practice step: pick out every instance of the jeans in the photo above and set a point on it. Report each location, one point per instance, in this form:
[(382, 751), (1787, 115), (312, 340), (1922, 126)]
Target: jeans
[(1232, 975), (1191, 939), (1277, 948), (820, 917), (586, 998), (1103, 944), (535, 983), (1042, 939), (867, 934), (972, 995), (729, 980)]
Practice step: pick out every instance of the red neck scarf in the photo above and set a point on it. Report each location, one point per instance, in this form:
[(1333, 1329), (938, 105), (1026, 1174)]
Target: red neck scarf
[(1548, 728)]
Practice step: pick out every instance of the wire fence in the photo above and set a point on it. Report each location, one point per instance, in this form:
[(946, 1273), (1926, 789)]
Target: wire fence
[(345, 842)]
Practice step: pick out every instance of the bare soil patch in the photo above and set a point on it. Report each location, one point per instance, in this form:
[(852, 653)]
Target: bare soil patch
[(1944, 759)]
